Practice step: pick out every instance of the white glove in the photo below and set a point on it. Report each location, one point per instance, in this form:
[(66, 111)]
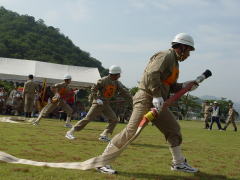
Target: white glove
[(99, 101), (158, 103), (55, 98), (195, 86)]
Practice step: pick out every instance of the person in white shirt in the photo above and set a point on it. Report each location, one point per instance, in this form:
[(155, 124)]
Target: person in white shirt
[(215, 116)]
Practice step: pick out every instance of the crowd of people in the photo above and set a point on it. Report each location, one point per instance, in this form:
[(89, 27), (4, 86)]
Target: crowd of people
[(30, 98), (11, 103), (212, 115)]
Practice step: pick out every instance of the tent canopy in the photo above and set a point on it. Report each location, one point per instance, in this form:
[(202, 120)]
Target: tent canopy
[(17, 70)]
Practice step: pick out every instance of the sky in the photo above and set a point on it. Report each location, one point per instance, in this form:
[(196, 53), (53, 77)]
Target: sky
[(128, 32)]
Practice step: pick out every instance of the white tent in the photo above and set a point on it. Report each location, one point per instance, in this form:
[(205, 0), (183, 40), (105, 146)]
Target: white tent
[(17, 70)]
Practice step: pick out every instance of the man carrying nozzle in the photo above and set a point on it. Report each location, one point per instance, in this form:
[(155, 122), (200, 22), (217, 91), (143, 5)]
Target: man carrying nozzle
[(159, 79)]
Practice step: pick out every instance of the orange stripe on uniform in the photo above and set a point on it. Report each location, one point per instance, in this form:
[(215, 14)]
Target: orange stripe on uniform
[(62, 91), (109, 91), (173, 77)]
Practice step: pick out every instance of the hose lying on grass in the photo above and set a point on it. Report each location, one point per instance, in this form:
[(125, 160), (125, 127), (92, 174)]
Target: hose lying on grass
[(98, 161), (16, 119), (105, 159)]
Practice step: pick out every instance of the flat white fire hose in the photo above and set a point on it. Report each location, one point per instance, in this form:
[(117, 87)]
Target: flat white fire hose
[(105, 159)]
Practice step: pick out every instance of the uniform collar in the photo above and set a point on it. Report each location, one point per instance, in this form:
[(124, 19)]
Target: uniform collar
[(175, 54), (65, 83)]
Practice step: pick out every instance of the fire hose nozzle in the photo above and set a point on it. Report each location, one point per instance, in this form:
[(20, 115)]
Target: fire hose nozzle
[(204, 76), (151, 115)]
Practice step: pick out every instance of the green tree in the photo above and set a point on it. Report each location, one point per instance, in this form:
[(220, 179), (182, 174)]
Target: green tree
[(133, 90), (189, 103)]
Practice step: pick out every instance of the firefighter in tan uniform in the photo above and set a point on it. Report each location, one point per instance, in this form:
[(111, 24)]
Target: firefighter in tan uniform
[(231, 118), (207, 114), (159, 79), (102, 93), (29, 91), (61, 89)]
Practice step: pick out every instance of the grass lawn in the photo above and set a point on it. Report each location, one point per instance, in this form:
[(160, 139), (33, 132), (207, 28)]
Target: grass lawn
[(215, 153)]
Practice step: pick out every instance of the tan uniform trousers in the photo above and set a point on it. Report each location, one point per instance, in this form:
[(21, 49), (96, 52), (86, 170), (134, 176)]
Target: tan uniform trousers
[(229, 121), (95, 111), (28, 103), (165, 122), (50, 107), (207, 118)]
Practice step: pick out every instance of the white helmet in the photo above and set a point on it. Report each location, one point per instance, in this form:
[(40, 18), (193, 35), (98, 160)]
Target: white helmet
[(67, 76), (183, 38), (215, 102), (114, 69)]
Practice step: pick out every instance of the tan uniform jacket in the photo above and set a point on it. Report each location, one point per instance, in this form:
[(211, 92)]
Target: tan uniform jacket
[(57, 101), (207, 110), (161, 74), (106, 89), (30, 88), (159, 79)]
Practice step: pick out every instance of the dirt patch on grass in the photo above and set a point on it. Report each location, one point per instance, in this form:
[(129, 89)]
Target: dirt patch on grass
[(25, 170)]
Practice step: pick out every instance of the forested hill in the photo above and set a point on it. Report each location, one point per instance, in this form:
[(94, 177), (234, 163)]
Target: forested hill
[(23, 37)]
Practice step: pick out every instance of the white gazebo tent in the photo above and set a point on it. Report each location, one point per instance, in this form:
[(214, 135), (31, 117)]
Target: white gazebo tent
[(17, 70)]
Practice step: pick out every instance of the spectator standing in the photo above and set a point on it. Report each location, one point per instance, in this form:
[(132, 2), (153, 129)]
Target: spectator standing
[(207, 114), (3, 98), (29, 91), (215, 116)]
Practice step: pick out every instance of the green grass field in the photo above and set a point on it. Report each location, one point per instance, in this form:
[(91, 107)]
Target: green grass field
[(215, 153)]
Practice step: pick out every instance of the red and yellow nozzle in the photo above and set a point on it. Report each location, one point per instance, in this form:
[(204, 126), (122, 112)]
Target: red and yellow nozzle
[(150, 116)]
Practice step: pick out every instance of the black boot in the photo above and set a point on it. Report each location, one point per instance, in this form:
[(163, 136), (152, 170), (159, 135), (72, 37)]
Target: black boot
[(235, 129)]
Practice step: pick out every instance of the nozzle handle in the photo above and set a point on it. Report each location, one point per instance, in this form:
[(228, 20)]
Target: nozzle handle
[(207, 73)]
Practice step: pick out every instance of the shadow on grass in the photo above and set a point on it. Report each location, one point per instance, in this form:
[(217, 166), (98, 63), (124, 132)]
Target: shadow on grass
[(93, 129), (196, 176), (149, 145)]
